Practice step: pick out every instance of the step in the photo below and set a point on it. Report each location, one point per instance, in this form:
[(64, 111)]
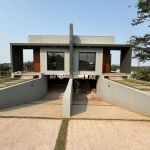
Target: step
[(115, 78), (26, 77)]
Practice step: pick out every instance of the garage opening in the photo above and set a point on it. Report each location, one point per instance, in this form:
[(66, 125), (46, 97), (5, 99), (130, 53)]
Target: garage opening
[(56, 88), (84, 90)]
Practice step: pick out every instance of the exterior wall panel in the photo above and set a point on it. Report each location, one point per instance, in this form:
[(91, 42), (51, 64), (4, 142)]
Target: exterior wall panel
[(36, 55), (106, 61), (98, 61), (43, 60)]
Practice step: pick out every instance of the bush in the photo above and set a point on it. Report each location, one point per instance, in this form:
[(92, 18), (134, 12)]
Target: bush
[(142, 74)]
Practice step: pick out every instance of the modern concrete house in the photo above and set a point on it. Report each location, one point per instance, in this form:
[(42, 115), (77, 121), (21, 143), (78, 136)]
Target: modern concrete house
[(72, 57), (72, 54), (68, 57), (65, 61)]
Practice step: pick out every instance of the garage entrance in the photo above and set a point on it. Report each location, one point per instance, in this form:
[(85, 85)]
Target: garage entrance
[(56, 88), (84, 90)]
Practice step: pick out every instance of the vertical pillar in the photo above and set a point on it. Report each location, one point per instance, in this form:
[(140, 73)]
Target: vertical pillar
[(71, 50), (125, 60), (36, 60), (16, 59), (106, 61)]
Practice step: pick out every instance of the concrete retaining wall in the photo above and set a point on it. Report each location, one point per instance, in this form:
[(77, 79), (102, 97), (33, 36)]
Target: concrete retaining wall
[(123, 96), (67, 99), (23, 92)]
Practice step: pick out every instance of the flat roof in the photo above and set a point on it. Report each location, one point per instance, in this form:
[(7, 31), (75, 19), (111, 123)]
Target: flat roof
[(30, 45)]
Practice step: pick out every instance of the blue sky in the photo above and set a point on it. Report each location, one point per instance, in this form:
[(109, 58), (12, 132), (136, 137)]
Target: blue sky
[(20, 18)]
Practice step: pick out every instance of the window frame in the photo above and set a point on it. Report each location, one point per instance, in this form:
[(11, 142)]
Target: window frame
[(86, 60), (62, 63)]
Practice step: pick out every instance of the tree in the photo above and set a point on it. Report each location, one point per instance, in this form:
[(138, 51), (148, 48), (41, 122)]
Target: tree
[(5, 67), (142, 74), (141, 44), (28, 66)]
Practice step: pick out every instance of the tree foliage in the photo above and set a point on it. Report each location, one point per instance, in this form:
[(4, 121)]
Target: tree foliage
[(142, 74), (28, 66), (141, 44), (5, 67), (143, 13)]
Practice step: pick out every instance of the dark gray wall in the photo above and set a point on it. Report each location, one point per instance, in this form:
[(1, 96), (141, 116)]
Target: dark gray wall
[(125, 61), (16, 59), (23, 93)]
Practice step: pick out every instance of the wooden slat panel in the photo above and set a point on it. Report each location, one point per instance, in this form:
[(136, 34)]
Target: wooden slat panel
[(36, 55), (106, 61)]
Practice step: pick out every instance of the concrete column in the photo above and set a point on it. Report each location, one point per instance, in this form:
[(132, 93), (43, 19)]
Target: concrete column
[(71, 50), (125, 60), (16, 59)]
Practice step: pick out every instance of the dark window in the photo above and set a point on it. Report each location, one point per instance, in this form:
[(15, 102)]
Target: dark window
[(55, 61), (87, 61)]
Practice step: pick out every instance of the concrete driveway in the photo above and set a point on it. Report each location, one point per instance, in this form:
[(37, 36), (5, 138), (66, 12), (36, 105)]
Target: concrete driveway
[(108, 135), (28, 134), (114, 129)]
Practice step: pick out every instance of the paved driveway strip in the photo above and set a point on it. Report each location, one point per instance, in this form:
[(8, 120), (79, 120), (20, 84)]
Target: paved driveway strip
[(108, 135), (28, 134)]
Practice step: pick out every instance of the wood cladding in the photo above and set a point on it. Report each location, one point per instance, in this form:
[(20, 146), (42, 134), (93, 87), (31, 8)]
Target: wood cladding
[(106, 61), (36, 57)]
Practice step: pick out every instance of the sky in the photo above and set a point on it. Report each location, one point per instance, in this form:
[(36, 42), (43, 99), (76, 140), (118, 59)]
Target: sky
[(20, 18)]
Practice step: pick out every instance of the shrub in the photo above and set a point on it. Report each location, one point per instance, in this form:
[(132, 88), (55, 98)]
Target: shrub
[(142, 74)]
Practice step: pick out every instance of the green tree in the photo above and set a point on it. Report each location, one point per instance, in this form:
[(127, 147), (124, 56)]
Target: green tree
[(5, 67), (142, 74), (141, 44), (28, 66)]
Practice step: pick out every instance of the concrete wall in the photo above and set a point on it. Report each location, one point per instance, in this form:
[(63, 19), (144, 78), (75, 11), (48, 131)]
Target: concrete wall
[(23, 92), (123, 96), (93, 39), (125, 60), (43, 60), (76, 39), (16, 59), (98, 61), (67, 99), (48, 39)]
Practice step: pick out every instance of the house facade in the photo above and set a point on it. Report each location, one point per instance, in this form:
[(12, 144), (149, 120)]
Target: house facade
[(72, 54)]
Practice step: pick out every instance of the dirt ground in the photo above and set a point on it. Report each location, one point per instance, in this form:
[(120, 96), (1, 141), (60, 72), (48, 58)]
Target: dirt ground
[(89, 95)]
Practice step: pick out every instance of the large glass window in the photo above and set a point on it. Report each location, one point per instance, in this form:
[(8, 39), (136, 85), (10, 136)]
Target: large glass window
[(87, 61), (55, 61)]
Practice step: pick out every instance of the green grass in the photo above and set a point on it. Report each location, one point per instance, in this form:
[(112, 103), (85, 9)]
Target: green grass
[(138, 82), (61, 139), (122, 82), (127, 81), (7, 80), (11, 79)]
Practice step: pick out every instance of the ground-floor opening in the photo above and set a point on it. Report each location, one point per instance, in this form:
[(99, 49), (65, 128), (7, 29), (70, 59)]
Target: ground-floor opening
[(56, 88), (115, 63), (84, 89)]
